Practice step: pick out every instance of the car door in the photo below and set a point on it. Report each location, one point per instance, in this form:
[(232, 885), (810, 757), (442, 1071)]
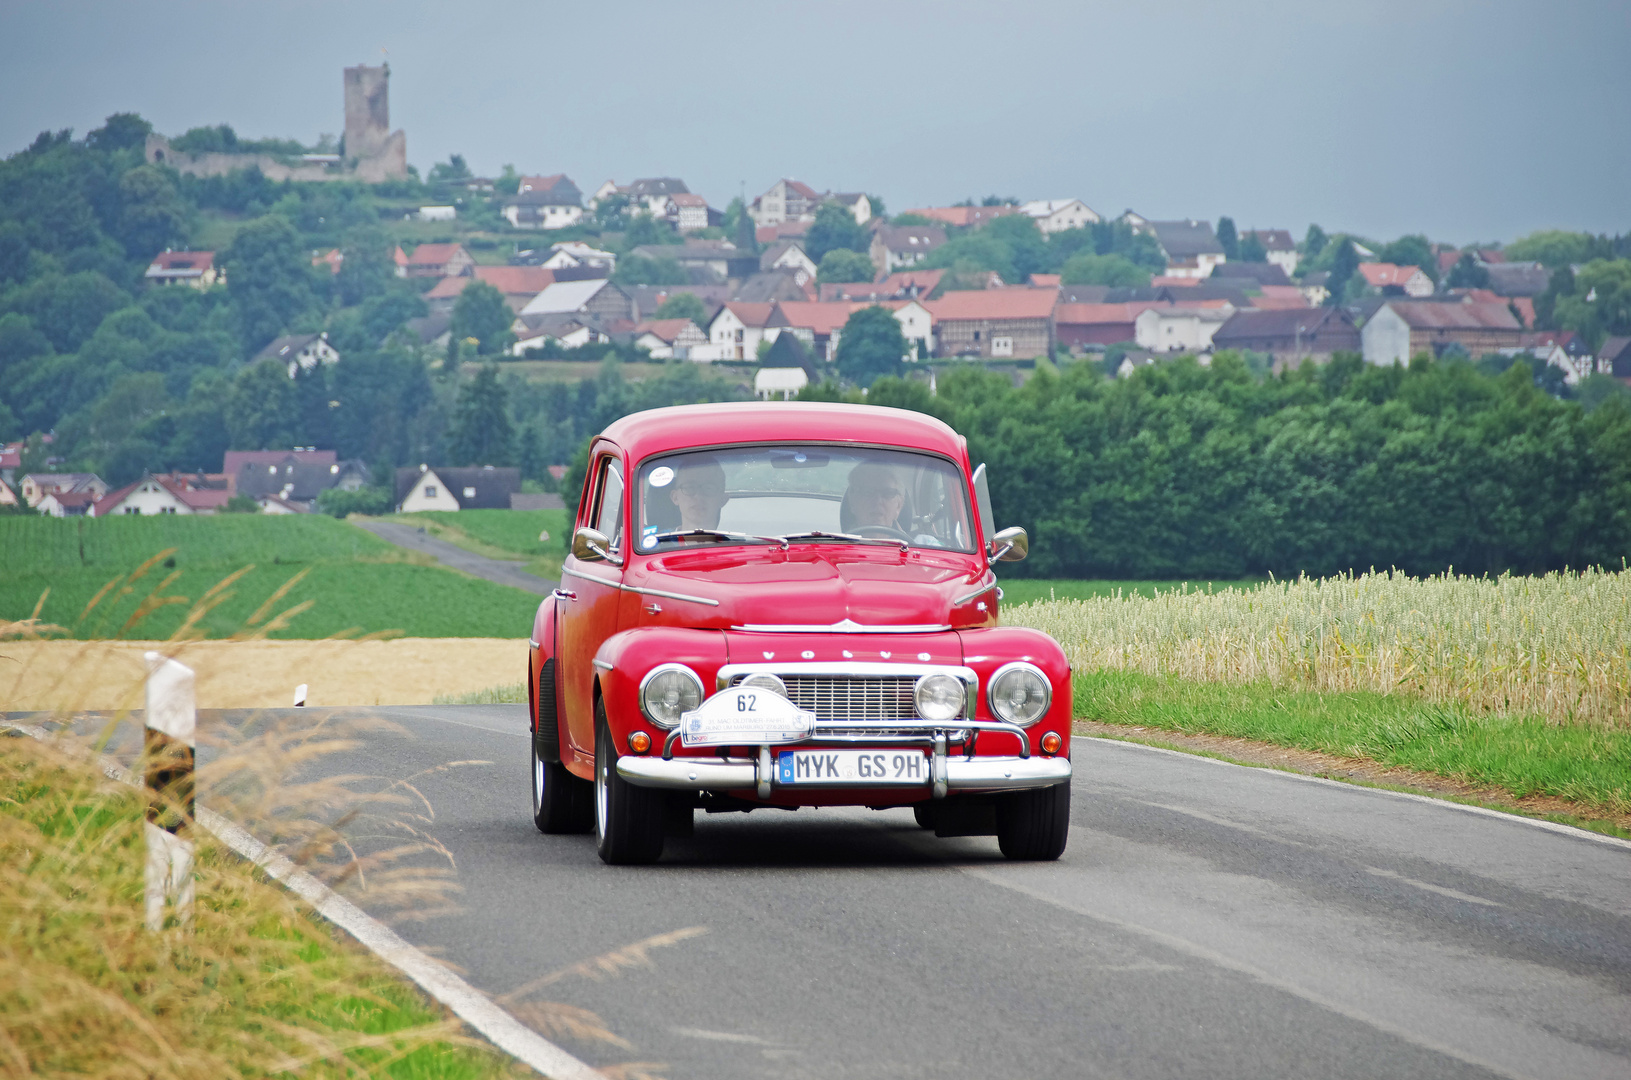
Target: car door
[(589, 610)]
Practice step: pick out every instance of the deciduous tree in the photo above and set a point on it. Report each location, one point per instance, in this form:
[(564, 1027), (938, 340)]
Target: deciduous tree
[(871, 346), (482, 433)]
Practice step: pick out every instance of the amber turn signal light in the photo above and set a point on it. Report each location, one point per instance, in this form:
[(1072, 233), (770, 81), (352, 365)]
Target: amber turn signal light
[(1051, 742), (639, 742)]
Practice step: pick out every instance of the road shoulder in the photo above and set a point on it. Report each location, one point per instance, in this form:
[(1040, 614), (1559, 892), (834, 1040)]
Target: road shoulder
[(1361, 771)]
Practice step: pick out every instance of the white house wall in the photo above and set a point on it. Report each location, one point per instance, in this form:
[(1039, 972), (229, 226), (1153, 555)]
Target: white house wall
[(428, 493), (1385, 338)]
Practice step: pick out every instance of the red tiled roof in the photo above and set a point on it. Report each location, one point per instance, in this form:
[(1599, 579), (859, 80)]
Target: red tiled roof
[(667, 329), (994, 304), (540, 183), (1379, 275), (510, 280), (751, 314), (399, 256), (433, 254), (1173, 282), (1526, 308), (685, 198), (332, 257), (184, 260), (799, 187), (964, 216), (1043, 281), (1090, 314), (820, 318), (1280, 298), (233, 461), (769, 234)]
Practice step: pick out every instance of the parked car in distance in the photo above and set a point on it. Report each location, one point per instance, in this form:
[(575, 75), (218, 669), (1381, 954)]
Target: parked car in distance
[(793, 605)]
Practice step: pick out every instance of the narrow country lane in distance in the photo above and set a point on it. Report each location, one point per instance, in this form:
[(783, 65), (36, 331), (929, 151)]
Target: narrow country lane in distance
[(1207, 920)]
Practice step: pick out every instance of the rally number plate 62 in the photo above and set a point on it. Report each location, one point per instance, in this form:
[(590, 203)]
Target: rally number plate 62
[(852, 767)]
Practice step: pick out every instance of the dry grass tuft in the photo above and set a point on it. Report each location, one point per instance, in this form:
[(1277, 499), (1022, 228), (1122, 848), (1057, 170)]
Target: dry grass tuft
[(1558, 646)]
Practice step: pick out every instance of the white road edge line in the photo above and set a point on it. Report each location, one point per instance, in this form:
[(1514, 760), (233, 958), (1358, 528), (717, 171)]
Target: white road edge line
[(1549, 826), (432, 976)]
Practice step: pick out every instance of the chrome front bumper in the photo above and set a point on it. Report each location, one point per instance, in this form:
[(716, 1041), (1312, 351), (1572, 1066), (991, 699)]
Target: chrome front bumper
[(950, 774)]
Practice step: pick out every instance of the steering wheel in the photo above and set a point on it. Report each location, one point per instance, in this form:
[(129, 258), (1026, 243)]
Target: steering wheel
[(882, 530)]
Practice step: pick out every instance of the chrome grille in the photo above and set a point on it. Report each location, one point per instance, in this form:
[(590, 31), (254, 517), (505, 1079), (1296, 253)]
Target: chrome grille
[(853, 698)]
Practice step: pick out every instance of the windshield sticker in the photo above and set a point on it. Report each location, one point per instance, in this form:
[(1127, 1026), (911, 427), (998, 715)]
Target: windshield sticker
[(648, 536), (662, 476)]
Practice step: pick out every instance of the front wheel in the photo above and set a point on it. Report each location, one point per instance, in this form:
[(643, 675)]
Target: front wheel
[(1034, 825), (628, 819), (561, 803)]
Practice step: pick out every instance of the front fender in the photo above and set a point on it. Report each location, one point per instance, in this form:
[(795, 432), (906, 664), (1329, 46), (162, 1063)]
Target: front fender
[(987, 649), (540, 651), (625, 657)]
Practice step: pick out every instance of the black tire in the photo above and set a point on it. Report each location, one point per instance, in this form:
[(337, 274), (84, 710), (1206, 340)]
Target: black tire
[(629, 820), (561, 802), (1034, 825), (924, 812)]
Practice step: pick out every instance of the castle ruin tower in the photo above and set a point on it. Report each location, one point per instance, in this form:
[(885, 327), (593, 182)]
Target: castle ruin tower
[(372, 149)]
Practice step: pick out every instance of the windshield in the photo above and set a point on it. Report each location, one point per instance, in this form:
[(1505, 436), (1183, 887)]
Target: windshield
[(778, 491)]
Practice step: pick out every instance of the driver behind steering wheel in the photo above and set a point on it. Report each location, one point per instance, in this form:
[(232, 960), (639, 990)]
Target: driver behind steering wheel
[(875, 503)]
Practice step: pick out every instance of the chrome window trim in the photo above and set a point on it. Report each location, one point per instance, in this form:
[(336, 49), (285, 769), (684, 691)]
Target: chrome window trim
[(1043, 675)]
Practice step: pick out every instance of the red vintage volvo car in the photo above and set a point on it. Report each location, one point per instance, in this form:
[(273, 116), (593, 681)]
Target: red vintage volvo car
[(785, 605)]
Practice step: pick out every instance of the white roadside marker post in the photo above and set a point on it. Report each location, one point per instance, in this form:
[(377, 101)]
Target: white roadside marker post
[(172, 721), (300, 696)]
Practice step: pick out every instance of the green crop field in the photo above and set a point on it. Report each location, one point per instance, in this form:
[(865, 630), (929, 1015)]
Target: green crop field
[(350, 580)]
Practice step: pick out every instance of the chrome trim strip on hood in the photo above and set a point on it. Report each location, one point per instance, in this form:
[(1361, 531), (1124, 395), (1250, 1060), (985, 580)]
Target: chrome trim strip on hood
[(981, 591), (638, 588), (842, 626)]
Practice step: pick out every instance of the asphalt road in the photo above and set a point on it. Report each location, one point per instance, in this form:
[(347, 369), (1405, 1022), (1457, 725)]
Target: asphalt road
[(499, 571), (1208, 920)]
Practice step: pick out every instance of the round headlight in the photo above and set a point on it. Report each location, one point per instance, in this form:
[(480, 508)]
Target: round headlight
[(939, 697), (667, 691), (766, 681), (1019, 694)]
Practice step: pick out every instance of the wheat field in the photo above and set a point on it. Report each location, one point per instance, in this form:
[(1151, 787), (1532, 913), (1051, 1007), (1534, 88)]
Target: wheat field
[(1557, 645)]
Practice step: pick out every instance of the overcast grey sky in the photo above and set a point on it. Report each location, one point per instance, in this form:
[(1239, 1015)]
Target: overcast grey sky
[(1463, 120)]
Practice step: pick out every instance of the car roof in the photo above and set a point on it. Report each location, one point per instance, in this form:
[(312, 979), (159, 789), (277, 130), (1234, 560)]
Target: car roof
[(678, 427)]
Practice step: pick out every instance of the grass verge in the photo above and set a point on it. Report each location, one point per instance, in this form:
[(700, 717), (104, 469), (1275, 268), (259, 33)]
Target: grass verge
[(500, 534), (1524, 756), (507, 694), (255, 987)]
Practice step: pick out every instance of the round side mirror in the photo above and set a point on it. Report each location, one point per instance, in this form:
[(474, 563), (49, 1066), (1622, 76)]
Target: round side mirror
[(1010, 545)]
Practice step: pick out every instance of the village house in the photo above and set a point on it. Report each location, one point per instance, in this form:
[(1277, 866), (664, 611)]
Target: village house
[(686, 212), (1562, 349), (1191, 247), (787, 200), (901, 285), (440, 260), (897, 246), (1614, 358), (1390, 280), (1401, 329), (1279, 298), (1513, 279), (484, 487), (994, 323), (569, 330), (1250, 275), (647, 299), (597, 297), (856, 203), (545, 202), (519, 284), (299, 352), (1281, 248), (719, 259), (1290, 337), (573, 254), (1179, 327), (167, 493), (8, 497), (787, 230), (1057, 215), (36, 486), (195, 268), (291, 481), (785, 369), (669, 339), (788, 255), (649, 196), (1078, 325), (1313, 287), (737, 328)]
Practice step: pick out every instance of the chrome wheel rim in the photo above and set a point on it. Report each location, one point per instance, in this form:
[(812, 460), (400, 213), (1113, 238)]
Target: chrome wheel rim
[(537, 783), (602, 772)]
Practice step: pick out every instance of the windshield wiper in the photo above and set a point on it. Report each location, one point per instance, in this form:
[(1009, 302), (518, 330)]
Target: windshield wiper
[(816, 534), (718, 534)]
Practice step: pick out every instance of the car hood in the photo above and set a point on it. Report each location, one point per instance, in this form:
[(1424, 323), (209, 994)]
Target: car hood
[(843, 588)]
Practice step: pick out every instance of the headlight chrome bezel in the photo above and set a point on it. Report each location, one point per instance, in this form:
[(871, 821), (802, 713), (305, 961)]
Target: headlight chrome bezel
[(935, 679), (996, 680), (657, 714)]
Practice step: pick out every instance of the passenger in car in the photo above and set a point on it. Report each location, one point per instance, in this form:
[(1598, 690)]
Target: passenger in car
[(699, 493)]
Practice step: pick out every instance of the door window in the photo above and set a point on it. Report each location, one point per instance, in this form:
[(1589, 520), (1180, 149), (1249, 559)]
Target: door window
[(608, 514)]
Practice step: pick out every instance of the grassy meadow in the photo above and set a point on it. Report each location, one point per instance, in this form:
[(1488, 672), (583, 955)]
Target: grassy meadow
[(500, 534), (1519, 682), (100, 578)]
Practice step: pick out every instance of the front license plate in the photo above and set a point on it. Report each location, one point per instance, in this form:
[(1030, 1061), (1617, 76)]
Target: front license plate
[(852, 767)]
